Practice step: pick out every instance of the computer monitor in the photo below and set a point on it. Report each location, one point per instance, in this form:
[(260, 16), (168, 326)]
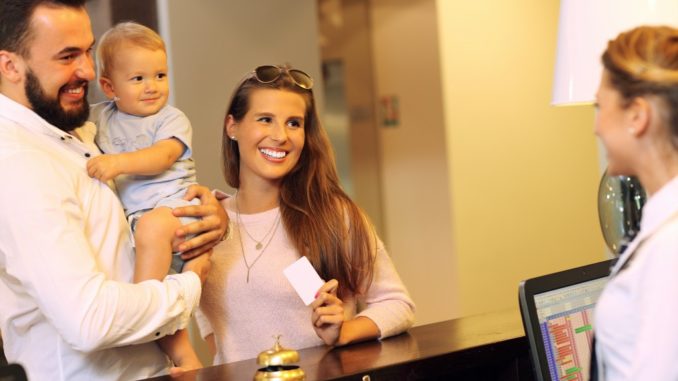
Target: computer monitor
[(557, 312), (12, 372)]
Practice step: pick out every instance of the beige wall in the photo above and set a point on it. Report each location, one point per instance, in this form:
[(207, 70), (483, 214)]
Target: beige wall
[(523, 175), (345, 31), (414, 168)]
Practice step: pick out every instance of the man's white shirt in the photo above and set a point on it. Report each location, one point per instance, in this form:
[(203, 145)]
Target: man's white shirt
[(68, 310)]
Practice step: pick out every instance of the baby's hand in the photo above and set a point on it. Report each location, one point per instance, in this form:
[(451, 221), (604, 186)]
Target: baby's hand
[(104, 167)]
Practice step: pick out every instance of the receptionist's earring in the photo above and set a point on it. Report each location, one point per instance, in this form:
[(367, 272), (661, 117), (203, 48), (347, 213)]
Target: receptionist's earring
[(233, 137)]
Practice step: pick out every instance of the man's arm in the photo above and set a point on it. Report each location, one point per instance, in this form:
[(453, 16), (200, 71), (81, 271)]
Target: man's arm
[(67, 246)]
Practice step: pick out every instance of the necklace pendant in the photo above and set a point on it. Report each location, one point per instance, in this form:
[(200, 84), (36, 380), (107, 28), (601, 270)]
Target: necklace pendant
[(258, 246)]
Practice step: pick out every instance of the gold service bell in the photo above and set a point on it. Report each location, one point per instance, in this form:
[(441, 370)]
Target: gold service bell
[(277, 364)]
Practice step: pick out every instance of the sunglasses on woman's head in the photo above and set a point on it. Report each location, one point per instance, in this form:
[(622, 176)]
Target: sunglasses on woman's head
[(270, 73)]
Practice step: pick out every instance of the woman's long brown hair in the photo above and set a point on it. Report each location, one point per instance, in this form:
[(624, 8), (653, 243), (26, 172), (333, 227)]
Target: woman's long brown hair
[(324, 224)]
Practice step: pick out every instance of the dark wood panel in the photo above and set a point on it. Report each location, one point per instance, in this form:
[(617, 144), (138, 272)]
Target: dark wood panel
[(144, 12), (486, 347), (3, 360)]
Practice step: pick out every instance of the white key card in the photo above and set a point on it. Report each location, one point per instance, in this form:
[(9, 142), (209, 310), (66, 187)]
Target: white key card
[(305, 280)]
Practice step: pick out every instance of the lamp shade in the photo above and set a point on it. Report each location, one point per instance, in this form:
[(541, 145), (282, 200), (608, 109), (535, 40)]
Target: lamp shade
[(585, 27)]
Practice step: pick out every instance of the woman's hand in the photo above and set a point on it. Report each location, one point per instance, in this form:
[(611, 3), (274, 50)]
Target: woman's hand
[(209, 230), (328, 313)]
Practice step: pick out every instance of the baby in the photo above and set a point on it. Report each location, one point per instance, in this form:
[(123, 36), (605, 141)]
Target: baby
[(146, 147)]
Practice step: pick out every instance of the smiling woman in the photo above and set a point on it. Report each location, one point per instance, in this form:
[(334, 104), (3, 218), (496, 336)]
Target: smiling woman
[(278, 157), (279, 116)]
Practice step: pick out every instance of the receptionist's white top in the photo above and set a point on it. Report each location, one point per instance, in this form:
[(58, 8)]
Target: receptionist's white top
[(637, 314)]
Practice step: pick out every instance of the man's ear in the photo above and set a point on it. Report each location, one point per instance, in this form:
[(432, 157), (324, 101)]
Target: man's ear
[(640, 114), (107, 87), (12, 66)]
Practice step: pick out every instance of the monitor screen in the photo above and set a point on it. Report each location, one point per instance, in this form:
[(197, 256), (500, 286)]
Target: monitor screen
[(12, 372), (565, 317)]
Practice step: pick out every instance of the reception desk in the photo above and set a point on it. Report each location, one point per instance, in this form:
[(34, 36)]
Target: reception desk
[(486, 347)]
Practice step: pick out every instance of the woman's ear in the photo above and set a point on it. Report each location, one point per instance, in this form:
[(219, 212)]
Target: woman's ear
[(107, 87), (640, 114), (231, 128)]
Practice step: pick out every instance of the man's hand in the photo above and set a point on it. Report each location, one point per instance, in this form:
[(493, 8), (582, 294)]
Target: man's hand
[(104, 167), (209, 230)]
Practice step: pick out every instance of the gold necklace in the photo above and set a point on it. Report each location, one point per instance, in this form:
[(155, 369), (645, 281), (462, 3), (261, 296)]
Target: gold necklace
[(273, 229), (259, 242)]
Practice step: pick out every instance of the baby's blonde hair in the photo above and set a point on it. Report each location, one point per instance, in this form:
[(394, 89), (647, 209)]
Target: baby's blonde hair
[(124, 33)]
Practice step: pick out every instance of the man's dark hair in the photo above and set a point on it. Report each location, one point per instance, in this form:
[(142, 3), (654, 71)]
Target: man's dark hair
[(15, 19)]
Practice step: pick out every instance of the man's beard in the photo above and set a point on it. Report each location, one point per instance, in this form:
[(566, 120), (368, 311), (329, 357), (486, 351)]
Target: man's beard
[(50, 109)]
